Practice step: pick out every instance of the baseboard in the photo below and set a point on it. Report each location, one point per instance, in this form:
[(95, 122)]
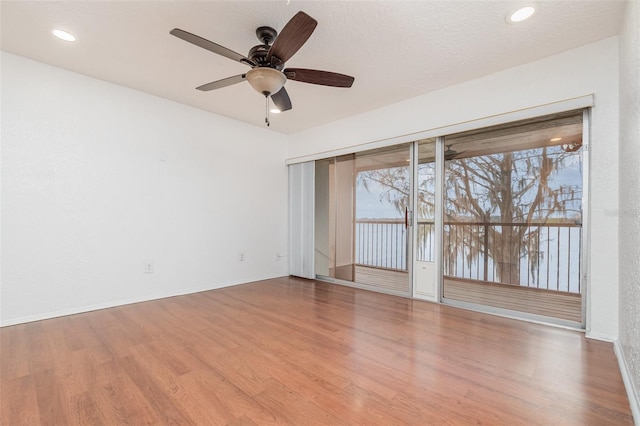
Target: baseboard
[(632, 392), (121, 302), (598, 336)]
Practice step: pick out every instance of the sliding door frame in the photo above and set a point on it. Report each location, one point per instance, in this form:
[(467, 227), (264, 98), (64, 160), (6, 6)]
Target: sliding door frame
[(586, 217), (439, 222)]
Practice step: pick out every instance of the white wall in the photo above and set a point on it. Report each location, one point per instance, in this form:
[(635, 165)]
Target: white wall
[(98, 179), (591, 69), (629, 211)]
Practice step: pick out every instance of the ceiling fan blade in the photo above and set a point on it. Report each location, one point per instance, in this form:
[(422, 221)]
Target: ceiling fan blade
[(281, 100), (292, 37), (211, 46), (325, 78), (222, 83), (450, 156)]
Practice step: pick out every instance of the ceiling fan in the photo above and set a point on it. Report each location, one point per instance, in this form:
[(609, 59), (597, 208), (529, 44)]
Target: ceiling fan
[(450, 154), (267, 74)]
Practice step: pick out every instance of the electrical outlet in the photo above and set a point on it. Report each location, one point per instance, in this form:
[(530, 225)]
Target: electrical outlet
[(148, 268), (241, 256)]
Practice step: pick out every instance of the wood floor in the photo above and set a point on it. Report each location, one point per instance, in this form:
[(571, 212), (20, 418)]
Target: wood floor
[(290, 351)]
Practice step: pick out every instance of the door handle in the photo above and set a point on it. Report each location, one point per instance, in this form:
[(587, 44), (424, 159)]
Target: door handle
[(408, 217)]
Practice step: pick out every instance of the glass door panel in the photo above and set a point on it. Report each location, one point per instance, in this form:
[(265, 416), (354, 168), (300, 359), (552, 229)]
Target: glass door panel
[(345, 227), (425, 247), (513, 217), (324, 229), (382, 219), (334, 212)]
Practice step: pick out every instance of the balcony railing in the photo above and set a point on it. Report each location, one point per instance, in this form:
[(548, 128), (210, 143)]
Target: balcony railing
[(547, 255), (381, 243)]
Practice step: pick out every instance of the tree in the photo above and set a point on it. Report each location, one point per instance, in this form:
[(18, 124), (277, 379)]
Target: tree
[(488, 199)]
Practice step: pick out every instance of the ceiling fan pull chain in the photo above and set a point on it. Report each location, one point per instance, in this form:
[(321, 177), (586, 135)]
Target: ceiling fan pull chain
[(266, 111)]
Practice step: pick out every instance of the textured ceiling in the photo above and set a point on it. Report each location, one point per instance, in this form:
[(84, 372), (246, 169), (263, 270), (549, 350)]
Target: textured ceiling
[(395, 50)]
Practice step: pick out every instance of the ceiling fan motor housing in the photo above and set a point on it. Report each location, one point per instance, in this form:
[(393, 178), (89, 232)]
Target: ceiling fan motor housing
[(258, 54)]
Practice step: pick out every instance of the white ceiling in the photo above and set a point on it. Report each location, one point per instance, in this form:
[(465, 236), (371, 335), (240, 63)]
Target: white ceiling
[(395, 49)]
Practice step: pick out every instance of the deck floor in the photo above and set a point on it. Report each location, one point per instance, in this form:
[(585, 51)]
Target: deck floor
[(383, 279), (549, 303)]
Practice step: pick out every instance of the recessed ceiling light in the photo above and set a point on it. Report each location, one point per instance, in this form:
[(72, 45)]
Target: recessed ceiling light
[(275, 110), (555, 139), (63, 35), (521, 14)]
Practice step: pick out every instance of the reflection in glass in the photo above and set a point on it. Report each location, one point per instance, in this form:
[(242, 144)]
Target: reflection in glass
[(426, 235), (513, 215)]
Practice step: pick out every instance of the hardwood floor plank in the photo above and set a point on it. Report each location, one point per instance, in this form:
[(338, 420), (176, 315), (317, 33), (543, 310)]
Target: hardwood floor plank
[(15, 352), (157, 396), (289, 351), (338, 399), (18, 402), (79, 334), (242, 421), (85, 411), (40, 354), (223, 397), (294, 406), (52, 408), (119, 401), (248, 382), (205, 404)]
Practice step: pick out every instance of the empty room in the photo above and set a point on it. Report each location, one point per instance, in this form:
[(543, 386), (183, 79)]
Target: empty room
[(320, 212)]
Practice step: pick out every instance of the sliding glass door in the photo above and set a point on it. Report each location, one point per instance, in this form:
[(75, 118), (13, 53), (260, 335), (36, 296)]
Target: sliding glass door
[(513, 217), (498, 218), (363, 225)]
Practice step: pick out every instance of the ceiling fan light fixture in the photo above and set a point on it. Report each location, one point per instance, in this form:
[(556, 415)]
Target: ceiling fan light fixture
[(267, 81), (521, 14)]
